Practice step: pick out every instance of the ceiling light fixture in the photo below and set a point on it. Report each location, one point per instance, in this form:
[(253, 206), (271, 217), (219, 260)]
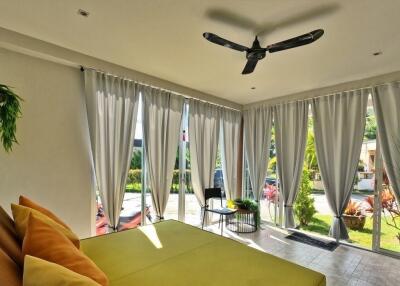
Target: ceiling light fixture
[(377, 53), (253, 87), (83, 13)]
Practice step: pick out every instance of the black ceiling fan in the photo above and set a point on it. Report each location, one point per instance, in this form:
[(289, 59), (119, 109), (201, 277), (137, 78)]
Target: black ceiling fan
[(256, 52)]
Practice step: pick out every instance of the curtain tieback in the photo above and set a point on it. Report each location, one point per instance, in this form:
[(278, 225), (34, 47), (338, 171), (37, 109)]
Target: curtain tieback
[(288, 206), (338, 216)]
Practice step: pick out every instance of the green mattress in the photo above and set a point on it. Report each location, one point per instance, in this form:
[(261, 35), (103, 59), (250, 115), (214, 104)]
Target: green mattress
[(175, 254)]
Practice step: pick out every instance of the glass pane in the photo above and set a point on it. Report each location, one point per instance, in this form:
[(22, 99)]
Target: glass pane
[(171, 210), (192, 206), (358, 215), (312, 208), (131, 207), (269, 201), (312, 212), (390, 218)]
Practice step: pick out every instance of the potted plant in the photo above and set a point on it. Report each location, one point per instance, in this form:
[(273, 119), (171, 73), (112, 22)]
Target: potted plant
[(10, 111), (238, 203), (249, 206), (353, 216)]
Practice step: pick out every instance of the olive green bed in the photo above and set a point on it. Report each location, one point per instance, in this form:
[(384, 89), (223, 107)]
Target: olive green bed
[(175, 254)]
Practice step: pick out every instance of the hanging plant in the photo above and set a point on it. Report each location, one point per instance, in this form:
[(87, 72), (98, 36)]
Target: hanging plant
[(10, 111)]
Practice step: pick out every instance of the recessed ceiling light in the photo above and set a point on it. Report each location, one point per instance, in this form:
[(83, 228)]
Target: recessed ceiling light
[(377, 53), (83, 13)]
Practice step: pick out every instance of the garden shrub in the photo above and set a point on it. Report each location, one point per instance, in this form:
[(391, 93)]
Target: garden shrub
[(134, 176), (134, 181), (304, 206)]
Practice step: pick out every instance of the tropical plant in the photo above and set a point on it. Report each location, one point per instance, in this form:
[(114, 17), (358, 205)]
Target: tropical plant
[(271, 193), (272, 164), (370, 127), (134, 176), (361, 166), (353, 208), (304, 205), (10, 111), (389, 207), (136, 162), (310, 153)]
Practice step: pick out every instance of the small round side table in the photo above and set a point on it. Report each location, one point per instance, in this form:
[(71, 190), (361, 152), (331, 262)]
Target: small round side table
[(243, 221)]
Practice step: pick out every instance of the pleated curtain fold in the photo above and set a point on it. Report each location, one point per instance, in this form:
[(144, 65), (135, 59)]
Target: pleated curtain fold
[(204, 125), (230, 122), (339, 122), (386, 100), (257, 140), (112, 106), (291, 125), (162, 115)]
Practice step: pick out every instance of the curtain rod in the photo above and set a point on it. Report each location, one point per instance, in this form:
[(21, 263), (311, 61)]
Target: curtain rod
[(82, 69), (371, 87)]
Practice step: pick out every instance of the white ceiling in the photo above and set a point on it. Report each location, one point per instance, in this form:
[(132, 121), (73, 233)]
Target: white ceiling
[(164, 39)]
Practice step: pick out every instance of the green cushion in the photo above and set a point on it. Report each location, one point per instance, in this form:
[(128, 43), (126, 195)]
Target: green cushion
[(176, 254)]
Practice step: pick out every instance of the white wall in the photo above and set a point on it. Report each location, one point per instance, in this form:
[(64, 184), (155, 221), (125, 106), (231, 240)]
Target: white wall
[(51, 164)]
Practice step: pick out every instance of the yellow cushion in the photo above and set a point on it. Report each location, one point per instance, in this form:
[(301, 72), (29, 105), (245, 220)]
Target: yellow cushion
[(39, 272), (21, 215), (9, 241), (10, 274), (45, 242), (24, 201)]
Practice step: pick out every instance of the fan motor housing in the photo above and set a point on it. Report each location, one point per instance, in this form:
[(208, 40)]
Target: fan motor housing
[(255, 54)]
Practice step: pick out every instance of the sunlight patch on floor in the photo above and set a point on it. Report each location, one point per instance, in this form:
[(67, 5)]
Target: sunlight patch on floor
[(151, 233)]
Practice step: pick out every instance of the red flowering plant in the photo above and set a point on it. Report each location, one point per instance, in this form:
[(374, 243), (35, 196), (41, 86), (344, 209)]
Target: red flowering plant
[(389, 206)]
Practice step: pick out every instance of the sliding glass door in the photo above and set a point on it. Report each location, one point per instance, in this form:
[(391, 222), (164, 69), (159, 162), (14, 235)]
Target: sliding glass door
[(270, 202), (372, 216), (386, 212)]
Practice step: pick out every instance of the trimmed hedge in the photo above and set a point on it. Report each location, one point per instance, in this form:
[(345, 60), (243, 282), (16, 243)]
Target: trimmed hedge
[(134, 181)]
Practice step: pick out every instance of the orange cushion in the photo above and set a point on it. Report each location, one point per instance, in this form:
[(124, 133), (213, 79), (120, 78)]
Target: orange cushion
[(21, 216), (24, 201), (9, 241), (39, 272), (10, 273), (43, 241)]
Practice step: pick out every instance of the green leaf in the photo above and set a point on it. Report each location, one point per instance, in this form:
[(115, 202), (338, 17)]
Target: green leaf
[(10, 111)]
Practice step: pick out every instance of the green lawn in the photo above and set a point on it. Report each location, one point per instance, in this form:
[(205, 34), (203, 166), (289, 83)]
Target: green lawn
[(320, 224)]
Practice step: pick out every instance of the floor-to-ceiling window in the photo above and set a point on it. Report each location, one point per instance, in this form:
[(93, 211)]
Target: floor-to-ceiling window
[(190, 207), (372, 216), (311, 207)]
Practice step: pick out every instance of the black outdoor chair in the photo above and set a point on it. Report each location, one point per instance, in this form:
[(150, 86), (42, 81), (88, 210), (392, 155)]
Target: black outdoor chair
[(215, 193)]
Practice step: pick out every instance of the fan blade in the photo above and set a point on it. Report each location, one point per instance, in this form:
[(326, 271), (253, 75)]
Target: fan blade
[(222, 42), (250, 66), (296, 41)]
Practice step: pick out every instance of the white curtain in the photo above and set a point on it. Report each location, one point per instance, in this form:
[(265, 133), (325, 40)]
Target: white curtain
[(162, 115), (112, 105), (230, 121), (386, 100), (257, 138), (291, 125), (204, 124), (339, 122)]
